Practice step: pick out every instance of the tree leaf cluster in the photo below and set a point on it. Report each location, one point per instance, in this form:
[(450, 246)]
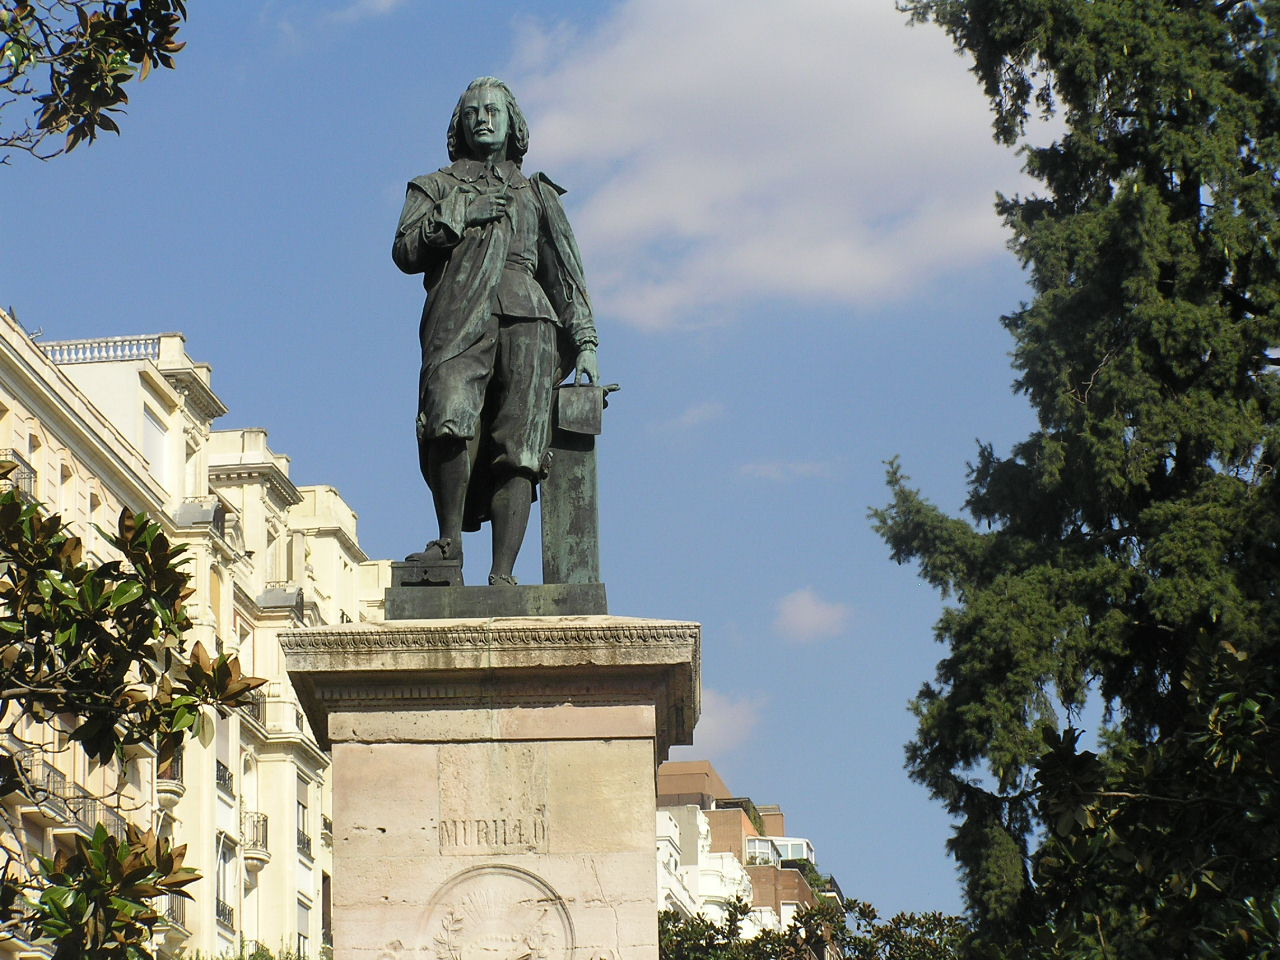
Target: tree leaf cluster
[(72, 59), (97, 651), (102, 646), (820, 932), (94, 901), (1126, 553)]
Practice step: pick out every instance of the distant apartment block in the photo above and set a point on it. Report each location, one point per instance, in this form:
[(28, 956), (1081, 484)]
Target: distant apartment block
[(714, 848)]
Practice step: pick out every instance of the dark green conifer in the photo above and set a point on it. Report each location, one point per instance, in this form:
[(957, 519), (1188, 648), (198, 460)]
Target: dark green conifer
[(1129, 549)]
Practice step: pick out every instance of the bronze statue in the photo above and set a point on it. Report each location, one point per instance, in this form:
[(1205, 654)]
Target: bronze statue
[(506, 319)]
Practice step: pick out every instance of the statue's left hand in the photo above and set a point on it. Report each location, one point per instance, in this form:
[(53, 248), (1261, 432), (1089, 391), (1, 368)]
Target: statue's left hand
[(588, 367)]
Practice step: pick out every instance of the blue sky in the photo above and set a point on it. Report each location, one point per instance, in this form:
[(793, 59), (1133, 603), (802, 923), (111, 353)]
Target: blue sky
[(786, 217)]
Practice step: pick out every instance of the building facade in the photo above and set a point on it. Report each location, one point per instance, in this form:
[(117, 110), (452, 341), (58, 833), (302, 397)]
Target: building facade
[(715, 848), (127, 422)]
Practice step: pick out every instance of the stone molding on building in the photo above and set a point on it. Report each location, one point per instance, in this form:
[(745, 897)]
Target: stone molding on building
[(278, 485)]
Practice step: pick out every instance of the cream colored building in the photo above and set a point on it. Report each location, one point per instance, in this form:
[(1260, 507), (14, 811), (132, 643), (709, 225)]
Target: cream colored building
[(97, 425), (714, 848)]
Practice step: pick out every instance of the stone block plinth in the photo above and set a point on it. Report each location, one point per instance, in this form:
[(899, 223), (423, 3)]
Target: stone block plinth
[(493, 780)]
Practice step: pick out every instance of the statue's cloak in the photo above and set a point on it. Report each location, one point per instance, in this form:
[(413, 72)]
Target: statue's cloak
[(462, 267)]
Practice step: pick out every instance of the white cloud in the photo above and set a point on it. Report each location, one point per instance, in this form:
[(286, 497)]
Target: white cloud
[(693, 416), (803, 616), (785, 469), (730, 150), (725, 724), (365, 8)]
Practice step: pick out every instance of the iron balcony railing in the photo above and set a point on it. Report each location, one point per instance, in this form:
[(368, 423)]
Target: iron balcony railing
[(222, 776), (253, 830), (23, 479), (46, 780), (72, 802), (224, 913), (171, 770), (256, 707), (304, 843), (89, 811), (175, 909)]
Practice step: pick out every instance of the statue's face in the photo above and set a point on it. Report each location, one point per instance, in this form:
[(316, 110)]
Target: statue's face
[(485, 121)]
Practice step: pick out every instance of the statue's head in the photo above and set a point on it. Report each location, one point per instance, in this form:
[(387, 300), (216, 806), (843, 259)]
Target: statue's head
[(507, 122)]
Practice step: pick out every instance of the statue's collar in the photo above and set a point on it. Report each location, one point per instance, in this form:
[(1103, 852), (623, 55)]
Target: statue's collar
[(472, 170)]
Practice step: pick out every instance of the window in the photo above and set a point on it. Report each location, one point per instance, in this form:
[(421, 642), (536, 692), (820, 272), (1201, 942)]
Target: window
[(191, 475), (154, 437), (761, 851), (222, 768), (304, 927), (304, 831), (225, 881), (215, 606), (64, 500), (326, 911), (33, 458)]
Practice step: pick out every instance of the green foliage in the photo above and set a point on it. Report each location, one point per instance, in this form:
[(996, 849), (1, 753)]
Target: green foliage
[(99, 652), (73, 58), (102, 644), (817, 933), (94, 902), (1128, 548), (813, 930), (906, 936)]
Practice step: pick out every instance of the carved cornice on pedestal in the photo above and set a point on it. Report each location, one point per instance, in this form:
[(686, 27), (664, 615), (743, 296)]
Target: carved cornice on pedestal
[(505, 631), (421, 664)]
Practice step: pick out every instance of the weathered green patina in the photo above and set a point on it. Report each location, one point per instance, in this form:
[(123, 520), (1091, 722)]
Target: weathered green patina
[(507, 317)]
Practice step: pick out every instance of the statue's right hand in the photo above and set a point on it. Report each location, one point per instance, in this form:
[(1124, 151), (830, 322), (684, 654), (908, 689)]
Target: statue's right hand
[(486, 208)]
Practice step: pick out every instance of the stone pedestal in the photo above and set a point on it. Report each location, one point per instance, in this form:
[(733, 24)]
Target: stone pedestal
[(493, 781)]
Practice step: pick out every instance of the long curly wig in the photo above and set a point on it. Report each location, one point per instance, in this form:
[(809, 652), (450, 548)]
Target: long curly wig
[(517, 128)]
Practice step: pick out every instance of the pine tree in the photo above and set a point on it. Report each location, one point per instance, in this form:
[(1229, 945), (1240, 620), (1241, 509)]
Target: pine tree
[(1129, 549)]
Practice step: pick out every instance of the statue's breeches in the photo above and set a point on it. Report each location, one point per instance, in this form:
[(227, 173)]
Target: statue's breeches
[(499, 389)]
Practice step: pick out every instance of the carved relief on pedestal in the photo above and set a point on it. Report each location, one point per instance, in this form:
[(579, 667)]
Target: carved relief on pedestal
[(496, 912)]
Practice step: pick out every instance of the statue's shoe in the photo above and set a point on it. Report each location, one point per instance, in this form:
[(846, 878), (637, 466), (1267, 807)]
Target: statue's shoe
[(499, 580), (439, 552)]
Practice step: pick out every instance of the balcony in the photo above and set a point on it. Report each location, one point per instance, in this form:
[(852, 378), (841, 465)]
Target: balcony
[(224, 913), (256, 708), (762, 852), (23, 479), (326, 831), (65, 805), (169, 786), (100, 349), (304, 843), (47, 786), (253, 840), (89, 811), (175, 910), (223, 777)]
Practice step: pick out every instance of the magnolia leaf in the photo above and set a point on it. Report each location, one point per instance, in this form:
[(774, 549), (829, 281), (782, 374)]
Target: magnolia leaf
[(127, 592), (204, 729), (200, 658)]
